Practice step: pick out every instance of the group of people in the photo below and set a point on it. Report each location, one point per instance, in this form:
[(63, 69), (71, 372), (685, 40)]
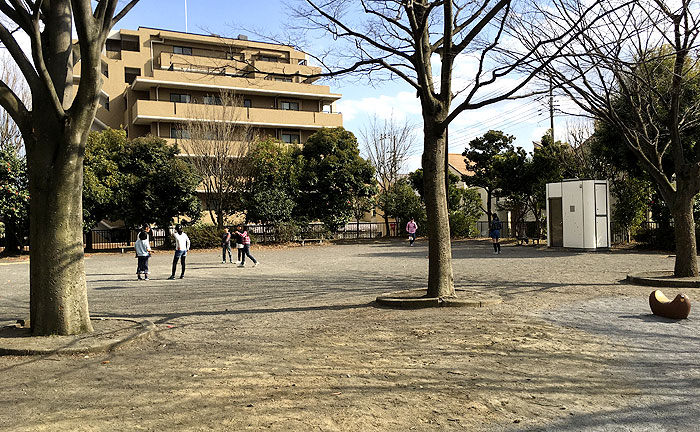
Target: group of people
[(182, 245), (241, 240)]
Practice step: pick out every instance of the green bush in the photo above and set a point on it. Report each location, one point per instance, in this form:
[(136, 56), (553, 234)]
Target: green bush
[(461, 225), (287, 232), (204, 236)]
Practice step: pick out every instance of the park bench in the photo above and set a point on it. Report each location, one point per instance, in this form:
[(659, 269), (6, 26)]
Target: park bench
[(304, 240)]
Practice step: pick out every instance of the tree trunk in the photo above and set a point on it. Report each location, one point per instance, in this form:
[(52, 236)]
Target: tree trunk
[(440, 279), (386, 225), (684, 227), (58, 291)]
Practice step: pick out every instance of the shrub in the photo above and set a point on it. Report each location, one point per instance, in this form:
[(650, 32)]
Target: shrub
[(461, 225), (204, 236)]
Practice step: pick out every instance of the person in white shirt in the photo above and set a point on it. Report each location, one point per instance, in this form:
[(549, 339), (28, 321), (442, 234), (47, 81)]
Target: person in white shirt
[(182, 245), (143, 252)]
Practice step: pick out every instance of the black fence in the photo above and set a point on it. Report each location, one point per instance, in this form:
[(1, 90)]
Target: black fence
[(264, 233), (120, 238)]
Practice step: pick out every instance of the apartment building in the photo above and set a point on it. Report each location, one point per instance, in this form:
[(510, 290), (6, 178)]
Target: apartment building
[(152, 77)]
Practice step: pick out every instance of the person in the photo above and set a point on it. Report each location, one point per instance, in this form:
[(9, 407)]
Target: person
[(226, 246), (182, 245), (239, 243), (143, 252), (495, 234), (245, 239), (411, 227)]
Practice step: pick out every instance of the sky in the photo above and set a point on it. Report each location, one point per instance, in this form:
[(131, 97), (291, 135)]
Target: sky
[(527, 120)]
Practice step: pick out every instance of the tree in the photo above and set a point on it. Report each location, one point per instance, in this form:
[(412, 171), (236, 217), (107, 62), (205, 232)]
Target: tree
[(54, 131), (14, 198), (333, 175), (217, 149), (157, 184), (643, 79), (273, 185), (387, 144), (101, 176), (522, 178), (480, 157), (403, 203), (138, 181), (420, 42)]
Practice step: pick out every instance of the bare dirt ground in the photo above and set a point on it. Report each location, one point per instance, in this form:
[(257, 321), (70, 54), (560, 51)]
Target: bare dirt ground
[(297, 344)]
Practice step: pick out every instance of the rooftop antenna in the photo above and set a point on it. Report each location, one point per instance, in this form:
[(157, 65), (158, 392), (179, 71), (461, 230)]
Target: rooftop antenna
[(186, 17)]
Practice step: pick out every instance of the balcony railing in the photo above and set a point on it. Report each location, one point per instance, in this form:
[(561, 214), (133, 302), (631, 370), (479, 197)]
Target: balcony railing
[(148, 111)]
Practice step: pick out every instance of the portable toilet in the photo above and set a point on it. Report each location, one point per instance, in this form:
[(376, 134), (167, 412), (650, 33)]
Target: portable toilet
[(578, 214)]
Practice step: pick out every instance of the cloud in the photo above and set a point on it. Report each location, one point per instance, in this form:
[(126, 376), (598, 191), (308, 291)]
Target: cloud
[(404, 105)]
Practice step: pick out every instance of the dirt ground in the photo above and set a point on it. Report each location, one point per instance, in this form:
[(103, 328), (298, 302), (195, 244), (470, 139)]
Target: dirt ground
[(297, 344)]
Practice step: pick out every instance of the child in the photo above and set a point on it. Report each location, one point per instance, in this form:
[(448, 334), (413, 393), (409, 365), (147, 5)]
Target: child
[(143, 252), (245, 239), (495, 233), (411, 228), (239, 243), (226, 246)]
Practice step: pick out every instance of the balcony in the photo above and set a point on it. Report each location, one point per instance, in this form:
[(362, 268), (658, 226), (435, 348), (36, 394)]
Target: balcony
[(240, 85), (147, 111)]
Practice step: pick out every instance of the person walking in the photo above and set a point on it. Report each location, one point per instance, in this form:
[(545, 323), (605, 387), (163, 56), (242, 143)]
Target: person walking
[(411, 228), (495, 233), (245, 239), (143, 252), (226, 246), (182, 245)]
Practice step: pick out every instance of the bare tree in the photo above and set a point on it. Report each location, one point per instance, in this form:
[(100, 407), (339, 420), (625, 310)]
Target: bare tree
[(388, 144), (637, 70), (10, 135), (217, 142), (54, 131), (421, 42)]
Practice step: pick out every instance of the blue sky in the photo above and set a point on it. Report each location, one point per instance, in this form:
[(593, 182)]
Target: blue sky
[(527, 120)]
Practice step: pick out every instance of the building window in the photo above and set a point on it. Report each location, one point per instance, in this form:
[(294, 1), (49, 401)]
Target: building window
[(212, 100), (182, 50), (104, 68), (130, 43), (289, 106), (290, 138), (266, 58), (283, 79), (130, 74), (247, 103), (178, 132), (114, 45), (180, 97)]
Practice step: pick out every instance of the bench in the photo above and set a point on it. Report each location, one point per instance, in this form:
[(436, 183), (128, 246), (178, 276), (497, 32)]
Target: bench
[(304, 240)]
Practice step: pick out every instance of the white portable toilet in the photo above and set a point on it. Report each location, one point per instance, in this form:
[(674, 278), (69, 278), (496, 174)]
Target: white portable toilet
[(578, 214)]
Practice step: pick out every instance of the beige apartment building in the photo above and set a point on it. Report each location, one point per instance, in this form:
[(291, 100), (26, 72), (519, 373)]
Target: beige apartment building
[(152, 77)]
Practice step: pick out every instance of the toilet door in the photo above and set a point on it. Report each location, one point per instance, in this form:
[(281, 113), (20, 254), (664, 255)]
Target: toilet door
[(556, 223)]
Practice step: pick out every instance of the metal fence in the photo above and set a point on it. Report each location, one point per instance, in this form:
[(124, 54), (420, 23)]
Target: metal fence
[(265, 233), (120, 238)]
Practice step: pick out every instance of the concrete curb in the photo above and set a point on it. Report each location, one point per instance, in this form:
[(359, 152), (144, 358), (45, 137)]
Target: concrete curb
[(415, 299), (145, 329), (663, 279)]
